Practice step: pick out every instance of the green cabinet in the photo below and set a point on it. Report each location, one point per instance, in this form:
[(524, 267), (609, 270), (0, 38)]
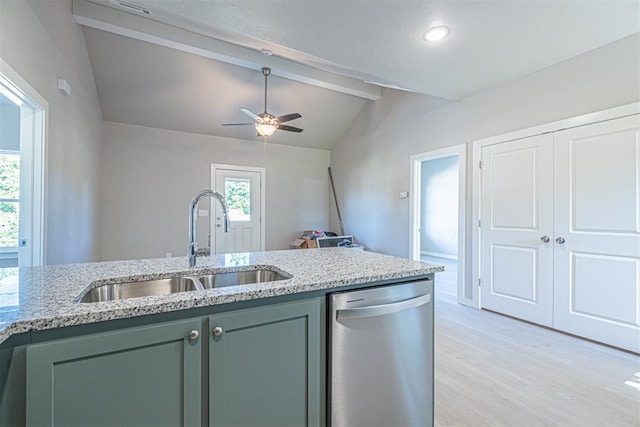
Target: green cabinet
[(143, 376), (266, 366)]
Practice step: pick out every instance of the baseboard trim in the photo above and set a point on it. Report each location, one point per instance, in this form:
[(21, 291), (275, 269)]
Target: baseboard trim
[(439, 255)]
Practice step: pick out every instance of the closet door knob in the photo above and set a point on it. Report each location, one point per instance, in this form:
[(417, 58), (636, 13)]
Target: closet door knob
[(560, 240), (545, 239)]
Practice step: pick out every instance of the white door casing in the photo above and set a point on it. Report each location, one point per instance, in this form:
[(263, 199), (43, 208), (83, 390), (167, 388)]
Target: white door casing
[(517, 216), (597, 213), (247, 224), (465, 292)]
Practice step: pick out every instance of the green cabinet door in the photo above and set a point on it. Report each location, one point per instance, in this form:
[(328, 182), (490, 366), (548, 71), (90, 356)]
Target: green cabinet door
[(265, 366), (144, 376)]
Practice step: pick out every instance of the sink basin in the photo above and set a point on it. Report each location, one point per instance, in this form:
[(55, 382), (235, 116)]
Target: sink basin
[(116, 291), (219, 280), (181, 283)]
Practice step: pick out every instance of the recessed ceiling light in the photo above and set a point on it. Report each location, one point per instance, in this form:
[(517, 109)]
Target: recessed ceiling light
[(435, 34)]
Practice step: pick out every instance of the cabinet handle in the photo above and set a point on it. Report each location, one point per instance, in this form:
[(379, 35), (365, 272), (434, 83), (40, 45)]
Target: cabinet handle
[(217, 331), (545, 239), (560, 240), (193, 335)]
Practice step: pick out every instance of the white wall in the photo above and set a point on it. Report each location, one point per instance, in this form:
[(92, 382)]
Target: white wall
[(439, 207), (150, 175), (41, 42), (371, 161)]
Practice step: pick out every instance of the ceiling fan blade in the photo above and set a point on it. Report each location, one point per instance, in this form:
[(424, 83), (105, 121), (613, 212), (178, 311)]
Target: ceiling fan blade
[(289, 128), (238, 124), (250, 113), (288, 117)]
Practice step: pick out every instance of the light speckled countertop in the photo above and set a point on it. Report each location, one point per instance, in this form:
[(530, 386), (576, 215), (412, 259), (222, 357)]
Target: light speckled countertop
[(46, 297)]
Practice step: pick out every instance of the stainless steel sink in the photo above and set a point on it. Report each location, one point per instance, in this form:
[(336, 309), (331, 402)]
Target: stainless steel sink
[(246, 277), (181, 283), (116, 291)]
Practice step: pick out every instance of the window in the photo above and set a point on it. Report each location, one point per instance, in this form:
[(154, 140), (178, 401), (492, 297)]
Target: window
[(238, 195), (9, 200)]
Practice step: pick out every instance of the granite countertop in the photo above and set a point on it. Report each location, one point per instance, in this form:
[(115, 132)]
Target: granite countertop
[(46, 297)]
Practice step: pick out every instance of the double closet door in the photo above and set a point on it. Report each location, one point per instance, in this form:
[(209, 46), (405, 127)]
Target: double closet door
[(560, 233)]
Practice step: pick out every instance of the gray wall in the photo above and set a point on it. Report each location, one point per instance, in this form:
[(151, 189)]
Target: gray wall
[(150, 175), (371, 161), (41, 42), (439, 207), (9, 125)]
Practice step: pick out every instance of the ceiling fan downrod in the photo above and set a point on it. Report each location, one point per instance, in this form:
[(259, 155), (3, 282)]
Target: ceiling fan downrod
[(265, 72)]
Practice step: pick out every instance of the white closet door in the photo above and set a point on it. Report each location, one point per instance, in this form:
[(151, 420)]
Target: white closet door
[(517, 213), (597, 213)]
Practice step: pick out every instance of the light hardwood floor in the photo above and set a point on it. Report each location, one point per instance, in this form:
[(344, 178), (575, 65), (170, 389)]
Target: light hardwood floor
[(492, 370)]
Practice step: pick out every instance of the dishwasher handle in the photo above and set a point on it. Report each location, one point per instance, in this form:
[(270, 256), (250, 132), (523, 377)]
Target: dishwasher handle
[(380, 310)]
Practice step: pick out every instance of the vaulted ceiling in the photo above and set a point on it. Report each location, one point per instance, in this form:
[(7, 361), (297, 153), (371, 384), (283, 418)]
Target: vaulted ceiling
[(189, 65)]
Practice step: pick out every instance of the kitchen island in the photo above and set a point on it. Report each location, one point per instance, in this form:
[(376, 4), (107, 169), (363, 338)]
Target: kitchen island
[(45, 330)]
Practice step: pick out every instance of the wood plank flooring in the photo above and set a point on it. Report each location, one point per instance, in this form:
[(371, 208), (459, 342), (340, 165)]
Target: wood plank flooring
[(492, 370)]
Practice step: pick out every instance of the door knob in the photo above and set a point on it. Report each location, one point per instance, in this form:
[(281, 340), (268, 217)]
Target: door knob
[(217, 331), (545, 239), (193, 335), (560, 240)]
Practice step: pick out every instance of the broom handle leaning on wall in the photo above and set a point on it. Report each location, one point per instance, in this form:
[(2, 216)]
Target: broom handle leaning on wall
[(333, 189)]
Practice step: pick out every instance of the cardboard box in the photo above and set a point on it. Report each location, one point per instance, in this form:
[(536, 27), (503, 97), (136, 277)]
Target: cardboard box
[(311, 243), (298, 244)]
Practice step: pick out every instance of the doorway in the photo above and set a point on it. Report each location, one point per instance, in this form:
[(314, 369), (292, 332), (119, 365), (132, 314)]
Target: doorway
[(438, 200), (243, 188), (22, 132)]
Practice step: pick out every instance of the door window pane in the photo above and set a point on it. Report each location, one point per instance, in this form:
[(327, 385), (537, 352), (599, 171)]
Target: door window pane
[(9, 212), (9, 198), (238, 196), (9, 175)]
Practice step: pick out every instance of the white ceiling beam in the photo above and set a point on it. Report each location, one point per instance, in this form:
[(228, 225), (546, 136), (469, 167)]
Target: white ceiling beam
[(118, 22)]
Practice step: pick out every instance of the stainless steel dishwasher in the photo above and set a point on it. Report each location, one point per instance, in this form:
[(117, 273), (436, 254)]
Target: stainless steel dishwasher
[(381, 356)]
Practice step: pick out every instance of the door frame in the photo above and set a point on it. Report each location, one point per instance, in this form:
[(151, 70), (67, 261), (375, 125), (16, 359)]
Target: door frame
[(415, 202), (476, 175), (263, 186), (34, 114)]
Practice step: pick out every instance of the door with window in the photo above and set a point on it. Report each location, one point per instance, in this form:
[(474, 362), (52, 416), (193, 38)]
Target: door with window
[(243, 190), (22, 124)]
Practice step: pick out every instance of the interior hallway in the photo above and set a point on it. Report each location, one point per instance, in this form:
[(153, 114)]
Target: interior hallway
[(492, 370)]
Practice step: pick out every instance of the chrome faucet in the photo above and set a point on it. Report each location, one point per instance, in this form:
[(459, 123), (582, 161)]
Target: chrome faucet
[(192, 247)]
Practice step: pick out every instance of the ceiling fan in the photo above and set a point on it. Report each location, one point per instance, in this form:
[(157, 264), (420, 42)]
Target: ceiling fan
[(265, 123)]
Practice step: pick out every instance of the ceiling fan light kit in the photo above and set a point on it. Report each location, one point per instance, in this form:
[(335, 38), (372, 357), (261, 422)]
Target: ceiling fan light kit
[(265, 129), (266, 124)]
